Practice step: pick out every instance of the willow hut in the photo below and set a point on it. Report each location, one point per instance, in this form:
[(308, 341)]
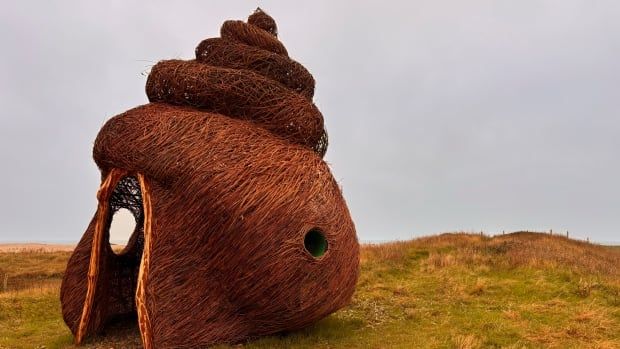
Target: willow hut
[(241, 230)]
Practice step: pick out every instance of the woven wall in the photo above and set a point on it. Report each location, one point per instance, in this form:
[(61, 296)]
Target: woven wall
[(230, 151)]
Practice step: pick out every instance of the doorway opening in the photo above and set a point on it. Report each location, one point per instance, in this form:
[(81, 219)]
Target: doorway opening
[(125, 237)]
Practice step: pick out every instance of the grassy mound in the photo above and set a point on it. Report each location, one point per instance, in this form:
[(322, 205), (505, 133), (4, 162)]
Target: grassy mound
[(520, 290)]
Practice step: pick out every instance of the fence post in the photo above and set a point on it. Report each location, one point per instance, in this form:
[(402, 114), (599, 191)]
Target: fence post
[(5, 283)]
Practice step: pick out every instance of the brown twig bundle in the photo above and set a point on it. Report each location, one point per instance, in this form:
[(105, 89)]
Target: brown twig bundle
[(241, 230)]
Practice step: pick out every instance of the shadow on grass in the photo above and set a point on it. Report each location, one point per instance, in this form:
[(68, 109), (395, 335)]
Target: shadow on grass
[(124, 333)]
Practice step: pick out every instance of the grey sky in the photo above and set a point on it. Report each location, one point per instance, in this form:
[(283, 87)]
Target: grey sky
[(442, 115)]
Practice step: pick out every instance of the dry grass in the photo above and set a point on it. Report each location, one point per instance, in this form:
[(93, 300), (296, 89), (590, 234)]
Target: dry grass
[(35, 247), (466, 342), (516, 250), (31, 269), (521, 290), (549, 291)]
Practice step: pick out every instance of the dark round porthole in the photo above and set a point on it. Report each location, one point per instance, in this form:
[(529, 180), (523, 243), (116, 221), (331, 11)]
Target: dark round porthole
[(315, 243)]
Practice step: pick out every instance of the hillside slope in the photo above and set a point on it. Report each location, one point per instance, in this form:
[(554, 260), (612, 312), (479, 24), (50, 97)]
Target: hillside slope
[(520, 290)]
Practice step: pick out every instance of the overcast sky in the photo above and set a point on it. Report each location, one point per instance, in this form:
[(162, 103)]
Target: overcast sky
[(442, 115)]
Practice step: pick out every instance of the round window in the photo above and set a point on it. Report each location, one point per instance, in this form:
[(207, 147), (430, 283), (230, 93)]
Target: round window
[(315, 243)]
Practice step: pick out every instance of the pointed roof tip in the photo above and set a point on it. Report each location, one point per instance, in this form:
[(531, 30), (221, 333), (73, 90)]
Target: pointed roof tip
[(264, 21), (260, 12)]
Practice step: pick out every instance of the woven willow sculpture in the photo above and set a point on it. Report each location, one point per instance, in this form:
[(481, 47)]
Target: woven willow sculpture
[(241, 229)]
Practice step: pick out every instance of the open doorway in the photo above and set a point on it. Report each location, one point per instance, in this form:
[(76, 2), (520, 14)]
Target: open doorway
[(125, 244), (105, 284)]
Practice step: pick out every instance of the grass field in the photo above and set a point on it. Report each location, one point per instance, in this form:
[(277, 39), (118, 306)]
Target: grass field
[(521, 290)]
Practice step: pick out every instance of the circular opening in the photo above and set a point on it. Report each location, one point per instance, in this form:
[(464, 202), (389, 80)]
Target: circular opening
[(315, 243), (122, 227)]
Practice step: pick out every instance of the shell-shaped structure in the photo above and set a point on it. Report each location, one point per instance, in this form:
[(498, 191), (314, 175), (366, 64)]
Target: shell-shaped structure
[(241, 230)]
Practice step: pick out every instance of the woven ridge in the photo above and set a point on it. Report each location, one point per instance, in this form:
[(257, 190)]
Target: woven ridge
[(223, 172), (245, 74)]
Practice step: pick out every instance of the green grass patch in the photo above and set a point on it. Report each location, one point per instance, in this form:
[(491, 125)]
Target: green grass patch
[(450, 291)]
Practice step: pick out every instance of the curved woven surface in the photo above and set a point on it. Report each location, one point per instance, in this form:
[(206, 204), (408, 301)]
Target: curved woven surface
[(245, 74), (231, 147)]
